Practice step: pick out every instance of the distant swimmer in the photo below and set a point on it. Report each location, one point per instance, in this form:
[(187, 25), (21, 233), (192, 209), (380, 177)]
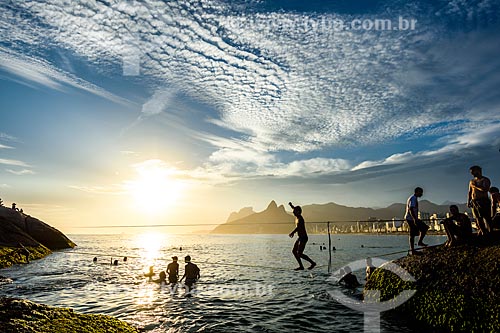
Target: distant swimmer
[(478, 200), (495, 205), (173, 270), (416, 226), (150, 274), (458, 227), (348, 279), (300, 243), (125, 259), (94, 260), (191, 273)]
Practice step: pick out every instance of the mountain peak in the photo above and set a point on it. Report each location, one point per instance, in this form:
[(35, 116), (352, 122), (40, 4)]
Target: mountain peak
[(272, 205)]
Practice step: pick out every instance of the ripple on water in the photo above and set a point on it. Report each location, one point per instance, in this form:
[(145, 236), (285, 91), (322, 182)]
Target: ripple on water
[(228, 298)]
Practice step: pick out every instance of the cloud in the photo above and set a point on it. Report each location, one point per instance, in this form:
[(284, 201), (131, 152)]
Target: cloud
[(5, 147), (113, 189), (8, 138), (21, 172), (41, 72), (14, 163), (284, 85)]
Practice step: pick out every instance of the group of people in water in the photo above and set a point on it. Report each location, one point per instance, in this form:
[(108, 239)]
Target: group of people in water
[(191, 273), (482, 198)]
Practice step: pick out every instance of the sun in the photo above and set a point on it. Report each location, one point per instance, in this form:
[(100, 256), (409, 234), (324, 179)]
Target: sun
[(155, 190)]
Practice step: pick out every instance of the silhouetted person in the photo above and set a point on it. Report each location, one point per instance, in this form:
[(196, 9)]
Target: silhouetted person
[(125, 259), (173, 270), (94, 260), (495, 204), (478, 200), (300, 243), (150, 274), (180, 249), (458, 227), (162, 278), (369, 268), (115, 262), (348, 279), (14, 206), (416, 226), (191, 273)]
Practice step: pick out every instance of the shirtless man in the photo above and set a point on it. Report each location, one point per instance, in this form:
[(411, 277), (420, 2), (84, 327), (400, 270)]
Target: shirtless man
[(478, 200), (495, 204), (173, 270), (191, 273), (300, 243)]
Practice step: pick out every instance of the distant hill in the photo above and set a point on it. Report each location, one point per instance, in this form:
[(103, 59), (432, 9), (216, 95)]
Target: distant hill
[(272, 220), (262, 222), (244, 212)]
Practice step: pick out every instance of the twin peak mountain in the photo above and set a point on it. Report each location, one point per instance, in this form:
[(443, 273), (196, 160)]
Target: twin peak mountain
[(276, 220)]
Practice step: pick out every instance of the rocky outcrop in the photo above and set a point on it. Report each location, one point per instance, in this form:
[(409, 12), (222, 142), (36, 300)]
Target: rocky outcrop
[(22, 316), (457, 288), (16, 227), (20, 232)]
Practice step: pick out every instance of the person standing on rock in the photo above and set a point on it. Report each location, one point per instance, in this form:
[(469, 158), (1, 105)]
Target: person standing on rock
[(300, 243), (416, 226), (478, 200)]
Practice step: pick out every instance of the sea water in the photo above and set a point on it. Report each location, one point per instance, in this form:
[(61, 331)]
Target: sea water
[(247, 281)]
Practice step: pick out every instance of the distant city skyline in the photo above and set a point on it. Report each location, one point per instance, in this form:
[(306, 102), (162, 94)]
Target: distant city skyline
[(117, 112)]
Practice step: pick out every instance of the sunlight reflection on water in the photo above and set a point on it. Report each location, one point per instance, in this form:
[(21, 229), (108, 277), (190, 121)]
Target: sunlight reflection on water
[(228, 298)]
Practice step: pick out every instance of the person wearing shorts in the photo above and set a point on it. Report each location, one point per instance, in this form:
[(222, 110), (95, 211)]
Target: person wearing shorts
[(300, 243), (478, 200), (415, 225)]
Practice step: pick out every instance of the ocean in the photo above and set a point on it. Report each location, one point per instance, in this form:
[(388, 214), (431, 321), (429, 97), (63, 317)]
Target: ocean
[(247, 281)]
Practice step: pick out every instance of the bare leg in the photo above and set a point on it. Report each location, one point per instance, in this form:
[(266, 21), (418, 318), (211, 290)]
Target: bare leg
[(297, 254)]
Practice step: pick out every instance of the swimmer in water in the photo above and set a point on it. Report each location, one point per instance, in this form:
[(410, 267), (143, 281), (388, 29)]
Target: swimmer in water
[(173, 271)]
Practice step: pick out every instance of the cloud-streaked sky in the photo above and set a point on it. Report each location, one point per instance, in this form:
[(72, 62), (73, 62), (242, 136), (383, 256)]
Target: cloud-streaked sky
[(241, 102)]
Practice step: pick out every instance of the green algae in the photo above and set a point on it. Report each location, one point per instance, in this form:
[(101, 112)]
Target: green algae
[(10, 256), (22, 316), (457, 289)]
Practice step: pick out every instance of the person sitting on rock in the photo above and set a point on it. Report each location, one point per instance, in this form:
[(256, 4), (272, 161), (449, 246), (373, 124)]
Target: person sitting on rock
[(458, 227), (348, 279), (495, 204)]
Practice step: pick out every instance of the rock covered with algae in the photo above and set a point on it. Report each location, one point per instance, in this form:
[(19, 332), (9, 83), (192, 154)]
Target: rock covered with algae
[(457, 288), (23, 316)]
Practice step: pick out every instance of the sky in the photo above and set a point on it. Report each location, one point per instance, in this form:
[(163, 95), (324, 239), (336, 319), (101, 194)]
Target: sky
[(179, 112)]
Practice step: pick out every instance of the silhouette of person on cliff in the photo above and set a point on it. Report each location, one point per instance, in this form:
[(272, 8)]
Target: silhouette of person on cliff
[(14, 206), (478, 199), (300, 243), (348, 279), (173, 270), (495, 204), (458, 227), (191, 273), (416, 226)]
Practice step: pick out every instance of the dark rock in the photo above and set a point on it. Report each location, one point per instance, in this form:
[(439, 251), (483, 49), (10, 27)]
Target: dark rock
[(457, 288), (16, 228)]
